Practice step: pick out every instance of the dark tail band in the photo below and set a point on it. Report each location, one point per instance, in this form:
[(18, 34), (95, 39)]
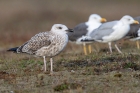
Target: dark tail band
[(87, 40), (13, 49)]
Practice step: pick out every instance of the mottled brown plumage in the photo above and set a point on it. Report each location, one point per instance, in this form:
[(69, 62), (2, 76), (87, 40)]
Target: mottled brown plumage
[(46, 44)]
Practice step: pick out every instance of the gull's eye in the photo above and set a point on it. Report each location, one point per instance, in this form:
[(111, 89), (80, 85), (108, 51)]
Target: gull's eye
[(95, 18), (59, 27), (128, 19)]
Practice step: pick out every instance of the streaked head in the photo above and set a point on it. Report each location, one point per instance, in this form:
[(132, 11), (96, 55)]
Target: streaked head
[(128, 20), (61, 27), (96, 18)]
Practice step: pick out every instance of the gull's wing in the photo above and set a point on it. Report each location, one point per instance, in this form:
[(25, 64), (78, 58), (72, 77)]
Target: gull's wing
[(36, 42), (79, 31), (104, 30)]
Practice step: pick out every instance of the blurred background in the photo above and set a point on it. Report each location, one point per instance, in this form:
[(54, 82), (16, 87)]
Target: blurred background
[(22, 19)]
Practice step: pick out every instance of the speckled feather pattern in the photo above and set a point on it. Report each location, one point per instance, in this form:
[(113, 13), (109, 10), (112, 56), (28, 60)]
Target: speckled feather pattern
[(45, 44)]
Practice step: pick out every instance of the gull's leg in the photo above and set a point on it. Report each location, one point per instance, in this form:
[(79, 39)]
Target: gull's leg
[(137, 42), (89, 48), (51, 61), (84, 47), (110, 48), (44, 63), (118, 48)]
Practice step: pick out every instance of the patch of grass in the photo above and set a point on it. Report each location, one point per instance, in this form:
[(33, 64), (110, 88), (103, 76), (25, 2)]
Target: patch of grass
[(40, 63), (61, 87), (118, 75), (66, 86), (81, 72), (136, 76), (25, 63), (131, 65)]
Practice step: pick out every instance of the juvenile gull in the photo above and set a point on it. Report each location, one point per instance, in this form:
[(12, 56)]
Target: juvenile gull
[(112, 31), (46, 44), (134, 33), (86, 28)]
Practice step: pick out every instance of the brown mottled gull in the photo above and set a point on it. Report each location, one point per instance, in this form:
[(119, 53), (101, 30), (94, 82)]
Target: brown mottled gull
[(46, 44)]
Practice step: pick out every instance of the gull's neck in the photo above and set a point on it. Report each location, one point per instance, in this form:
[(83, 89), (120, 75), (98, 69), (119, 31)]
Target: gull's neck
[(92, 26), (58, 32)]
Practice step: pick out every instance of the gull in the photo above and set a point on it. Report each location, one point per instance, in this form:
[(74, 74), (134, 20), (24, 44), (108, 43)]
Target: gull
[(46, 44), (134, 33), (84, 29), (111, 31)]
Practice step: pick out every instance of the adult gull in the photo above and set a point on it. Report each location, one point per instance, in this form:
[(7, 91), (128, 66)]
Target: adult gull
[(111, 31), (84, 29), (134, 33), (46, 44)]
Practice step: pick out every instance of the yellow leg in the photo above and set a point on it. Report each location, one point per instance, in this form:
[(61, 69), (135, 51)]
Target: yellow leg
[(85, 50), (89, 48), (137, 42)]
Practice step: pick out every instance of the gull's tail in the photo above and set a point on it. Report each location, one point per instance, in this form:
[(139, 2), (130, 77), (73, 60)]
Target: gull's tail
[(13, 49), (86, 39)]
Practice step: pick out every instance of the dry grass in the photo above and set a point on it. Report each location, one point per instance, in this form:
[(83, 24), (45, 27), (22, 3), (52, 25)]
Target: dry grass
[(98, 72)]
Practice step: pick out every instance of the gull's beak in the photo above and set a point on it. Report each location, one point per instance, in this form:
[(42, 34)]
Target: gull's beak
[(136, 22), (69, 30), (103, 20)]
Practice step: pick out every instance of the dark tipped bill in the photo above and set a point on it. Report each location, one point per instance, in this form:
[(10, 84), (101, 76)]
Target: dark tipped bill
[(69, 30)]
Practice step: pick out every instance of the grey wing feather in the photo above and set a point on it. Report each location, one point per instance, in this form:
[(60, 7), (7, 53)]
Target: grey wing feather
[(35, 43), (104, 30), (134, 29), (108, 25), (79, 31)]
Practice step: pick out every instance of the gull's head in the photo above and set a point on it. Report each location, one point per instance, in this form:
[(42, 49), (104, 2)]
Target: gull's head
[(129, 20), (61, 28), (96, 18)]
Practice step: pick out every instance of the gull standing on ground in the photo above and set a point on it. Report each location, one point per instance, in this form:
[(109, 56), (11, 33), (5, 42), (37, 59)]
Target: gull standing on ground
[(84, 29), (46, 44), (112, 31), (134, 33)]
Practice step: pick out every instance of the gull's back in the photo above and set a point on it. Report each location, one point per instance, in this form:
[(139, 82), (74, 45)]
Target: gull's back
[(104, 30), (79, 31)]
